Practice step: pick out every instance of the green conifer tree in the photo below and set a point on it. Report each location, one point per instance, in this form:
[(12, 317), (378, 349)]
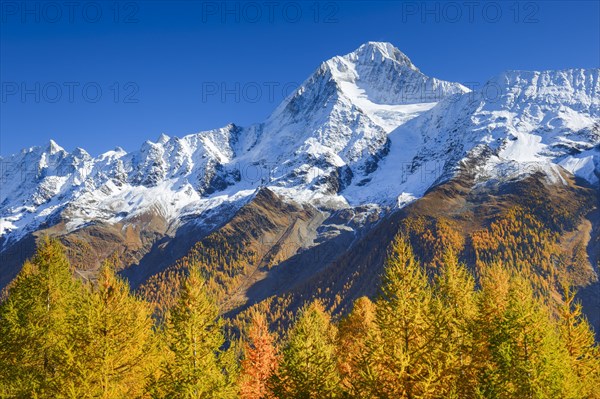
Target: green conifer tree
[(403, 350), (522, 355), (352, 351), (578, 338), (308, 369), (36, 326), (115, 342), (196, 367), (456, 313)]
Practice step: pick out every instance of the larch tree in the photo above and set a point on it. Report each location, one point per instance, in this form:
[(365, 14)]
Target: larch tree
[(197, 366), (36, 326), (261, 360), (308, 369), (456, 313), (524, 357), (352, 352), (404, 349), (116, 345), (578, 339)]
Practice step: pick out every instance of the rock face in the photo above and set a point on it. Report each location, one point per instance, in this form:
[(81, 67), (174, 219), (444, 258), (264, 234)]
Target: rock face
[(365, 138)]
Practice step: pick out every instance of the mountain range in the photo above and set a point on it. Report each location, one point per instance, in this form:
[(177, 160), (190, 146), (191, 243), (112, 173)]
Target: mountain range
[(305, 203)]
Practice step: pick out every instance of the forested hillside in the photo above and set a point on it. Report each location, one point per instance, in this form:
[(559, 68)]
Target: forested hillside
[(442, 333)]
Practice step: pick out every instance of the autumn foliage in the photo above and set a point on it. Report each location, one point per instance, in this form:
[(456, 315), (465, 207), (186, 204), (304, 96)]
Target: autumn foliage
[(447, 334)]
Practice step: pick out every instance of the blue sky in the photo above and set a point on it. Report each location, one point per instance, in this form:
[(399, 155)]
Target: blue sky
[(103, 74)]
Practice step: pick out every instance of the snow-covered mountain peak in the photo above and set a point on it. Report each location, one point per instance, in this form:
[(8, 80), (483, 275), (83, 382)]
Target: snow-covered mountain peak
[(579, 87), (80, 153), (341, 115), (52, 148), (518, 123), (365, 128), (118, 152), (376, 87), (382, 74), (373, 52), (163, 138)]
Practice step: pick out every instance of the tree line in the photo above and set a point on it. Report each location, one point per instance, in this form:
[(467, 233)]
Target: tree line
[(446, 335)]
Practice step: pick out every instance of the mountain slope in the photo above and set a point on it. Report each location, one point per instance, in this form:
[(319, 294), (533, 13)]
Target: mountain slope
[(334, 127), (364, 125), (538, 227), (364, 142), (519, 123)]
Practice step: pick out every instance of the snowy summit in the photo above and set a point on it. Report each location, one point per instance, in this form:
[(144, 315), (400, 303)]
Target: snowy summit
[(366, 128)]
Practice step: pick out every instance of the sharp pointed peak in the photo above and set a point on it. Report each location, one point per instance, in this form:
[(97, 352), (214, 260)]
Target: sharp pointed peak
[(52, 147), (380, 46), (371, 51)]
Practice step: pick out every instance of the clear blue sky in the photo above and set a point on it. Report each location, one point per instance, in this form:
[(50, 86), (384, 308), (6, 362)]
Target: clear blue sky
[(162, 66)]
